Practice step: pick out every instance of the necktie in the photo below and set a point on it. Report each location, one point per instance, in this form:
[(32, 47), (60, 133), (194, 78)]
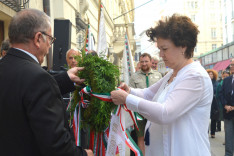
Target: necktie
[(147, 79)]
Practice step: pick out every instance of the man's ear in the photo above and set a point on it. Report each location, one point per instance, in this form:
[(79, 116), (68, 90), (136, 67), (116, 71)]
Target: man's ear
[(37, 39)]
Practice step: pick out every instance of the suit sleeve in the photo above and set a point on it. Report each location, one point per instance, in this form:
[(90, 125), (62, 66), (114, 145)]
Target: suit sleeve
[(64, 83), (222, 93), (45, 112)]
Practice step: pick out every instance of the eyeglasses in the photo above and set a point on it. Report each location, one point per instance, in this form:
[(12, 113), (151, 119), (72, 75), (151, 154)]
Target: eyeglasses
[(52, 39), (231, 65)]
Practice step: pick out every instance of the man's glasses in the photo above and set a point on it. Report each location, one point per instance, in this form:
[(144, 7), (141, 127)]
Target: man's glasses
[(231, 65), (52, 39)]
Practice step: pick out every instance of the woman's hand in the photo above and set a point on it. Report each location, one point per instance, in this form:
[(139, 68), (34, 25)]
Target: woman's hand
[(119, 97), (125, 87)]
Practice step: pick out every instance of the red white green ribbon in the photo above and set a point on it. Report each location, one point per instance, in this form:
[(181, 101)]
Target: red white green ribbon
[(115, 137), (98, 142), (76, 125), (102, 96)]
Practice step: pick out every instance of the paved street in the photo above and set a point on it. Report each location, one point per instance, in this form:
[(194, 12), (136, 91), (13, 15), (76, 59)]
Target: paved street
[(217, 147)]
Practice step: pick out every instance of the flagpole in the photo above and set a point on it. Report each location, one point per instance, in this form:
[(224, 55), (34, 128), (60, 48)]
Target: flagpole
[(99, 14), (126, 25)]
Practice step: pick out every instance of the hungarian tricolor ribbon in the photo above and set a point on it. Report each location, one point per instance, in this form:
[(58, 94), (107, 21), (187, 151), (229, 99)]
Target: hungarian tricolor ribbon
[(102, 96), (119, 136), (99, 142)]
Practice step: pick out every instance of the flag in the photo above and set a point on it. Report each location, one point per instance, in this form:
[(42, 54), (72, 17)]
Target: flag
[(89, 44), (102, 44), (128, 66)]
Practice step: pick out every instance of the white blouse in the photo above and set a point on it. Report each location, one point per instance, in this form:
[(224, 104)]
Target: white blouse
[(184, 114)]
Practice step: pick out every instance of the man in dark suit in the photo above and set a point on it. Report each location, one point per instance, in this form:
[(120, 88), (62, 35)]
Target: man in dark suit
[(227, 97), (32, 113)]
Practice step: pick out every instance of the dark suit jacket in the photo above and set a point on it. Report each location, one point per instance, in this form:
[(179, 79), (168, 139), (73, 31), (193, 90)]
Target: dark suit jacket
[(32, 114), (227, 97)]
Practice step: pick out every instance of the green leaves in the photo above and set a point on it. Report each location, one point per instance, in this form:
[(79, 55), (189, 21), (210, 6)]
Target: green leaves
[(102, 76)]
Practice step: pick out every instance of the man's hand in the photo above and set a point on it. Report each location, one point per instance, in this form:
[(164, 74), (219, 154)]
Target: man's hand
[(228, 108), (89, 152), (72, 73), (119, 97), (125, 87)]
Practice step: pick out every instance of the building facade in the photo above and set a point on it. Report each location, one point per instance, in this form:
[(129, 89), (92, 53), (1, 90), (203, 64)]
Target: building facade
[(228, 21), (79, 12)]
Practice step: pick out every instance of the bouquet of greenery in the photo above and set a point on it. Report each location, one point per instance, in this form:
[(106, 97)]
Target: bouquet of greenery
[(103, 77)]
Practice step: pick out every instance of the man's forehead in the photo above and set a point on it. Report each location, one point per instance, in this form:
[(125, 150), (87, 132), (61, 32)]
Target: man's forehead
[(144, 58), (73, 52)]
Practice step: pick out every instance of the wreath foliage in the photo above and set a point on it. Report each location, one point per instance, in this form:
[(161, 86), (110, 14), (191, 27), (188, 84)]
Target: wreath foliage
[(102, 76)]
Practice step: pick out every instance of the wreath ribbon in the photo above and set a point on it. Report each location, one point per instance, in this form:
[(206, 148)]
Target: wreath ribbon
[(117, 112)]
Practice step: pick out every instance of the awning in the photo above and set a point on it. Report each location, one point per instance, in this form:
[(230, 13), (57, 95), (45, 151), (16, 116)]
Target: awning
[(222, 65)]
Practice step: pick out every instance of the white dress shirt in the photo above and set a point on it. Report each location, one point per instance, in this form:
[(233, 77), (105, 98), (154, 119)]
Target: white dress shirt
[(183, 112), (31, 55)]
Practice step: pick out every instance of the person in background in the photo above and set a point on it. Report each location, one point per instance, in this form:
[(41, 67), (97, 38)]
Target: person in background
[(214, 112), (227, 98), (154, 62), (4, 47), (92, 52), (177, 106), (143, 78), (225, 74), (34, 120), (138, 66), (71, 62)]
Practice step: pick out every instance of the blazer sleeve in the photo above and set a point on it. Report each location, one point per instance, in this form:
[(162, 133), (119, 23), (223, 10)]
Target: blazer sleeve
[(64, 82), (222, 92), (45, 112)]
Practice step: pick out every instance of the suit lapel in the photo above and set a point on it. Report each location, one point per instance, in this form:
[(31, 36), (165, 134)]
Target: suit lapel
[(228, 84), (20, 54)]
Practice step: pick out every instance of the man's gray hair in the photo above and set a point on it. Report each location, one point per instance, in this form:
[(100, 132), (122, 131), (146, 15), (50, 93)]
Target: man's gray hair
[(26, 23), (5, 45), (73, 49), (154, 57)]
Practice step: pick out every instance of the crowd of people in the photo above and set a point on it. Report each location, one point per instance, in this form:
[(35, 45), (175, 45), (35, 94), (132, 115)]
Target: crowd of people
[(176, 108)]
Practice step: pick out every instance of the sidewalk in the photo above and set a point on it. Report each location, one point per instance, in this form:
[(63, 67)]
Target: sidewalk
[(216, 144)]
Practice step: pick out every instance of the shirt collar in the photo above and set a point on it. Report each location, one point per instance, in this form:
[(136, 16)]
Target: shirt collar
[(34, 57), (150, 72)]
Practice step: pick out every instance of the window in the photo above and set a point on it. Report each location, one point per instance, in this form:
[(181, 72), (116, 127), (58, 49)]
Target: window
[(213, 33), (80, 40), (232, 9), (232, 31), (225, 53), (214, 46), (231, 51), (212, 3), (192, 4), (193, 18), (219, 55), (214, 57)]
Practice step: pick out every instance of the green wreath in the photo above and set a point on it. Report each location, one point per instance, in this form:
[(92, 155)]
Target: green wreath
[(103, 77)]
